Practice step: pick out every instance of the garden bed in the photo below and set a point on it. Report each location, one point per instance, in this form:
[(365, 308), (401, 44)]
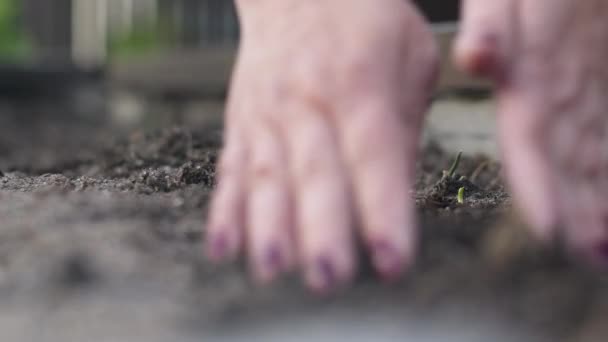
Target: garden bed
[(101, 239)]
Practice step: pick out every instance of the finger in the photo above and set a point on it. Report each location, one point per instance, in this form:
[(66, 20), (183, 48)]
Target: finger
[(324, 222), (586, 231), (269, 218), (584, 200), (226, 222), (528, 168), (225, 226), (380, 148), (486, 35), (545, 24)]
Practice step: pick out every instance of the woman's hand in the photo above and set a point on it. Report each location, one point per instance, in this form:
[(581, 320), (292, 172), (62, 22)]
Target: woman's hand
[(323, 123)]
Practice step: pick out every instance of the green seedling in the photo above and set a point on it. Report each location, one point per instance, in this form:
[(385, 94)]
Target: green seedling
[(460, 197), (454, 167)]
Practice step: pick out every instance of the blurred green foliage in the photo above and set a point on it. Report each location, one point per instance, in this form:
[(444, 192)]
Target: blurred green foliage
[(145, 38), (13, 40)]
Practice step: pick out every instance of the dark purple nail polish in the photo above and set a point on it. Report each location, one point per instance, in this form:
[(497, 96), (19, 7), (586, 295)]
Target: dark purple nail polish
[(602, 251), (387, 260), (218, 247), (273, 258), (327, 274)]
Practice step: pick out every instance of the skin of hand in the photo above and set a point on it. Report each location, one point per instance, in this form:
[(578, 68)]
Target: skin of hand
[(322, 128), (548, 61)]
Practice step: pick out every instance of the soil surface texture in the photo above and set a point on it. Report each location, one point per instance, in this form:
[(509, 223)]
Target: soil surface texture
[(101, 236)]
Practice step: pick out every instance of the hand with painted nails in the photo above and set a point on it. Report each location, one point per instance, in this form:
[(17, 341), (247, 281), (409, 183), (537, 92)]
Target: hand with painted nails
[(322, 127), (548, 60), (325, 113)]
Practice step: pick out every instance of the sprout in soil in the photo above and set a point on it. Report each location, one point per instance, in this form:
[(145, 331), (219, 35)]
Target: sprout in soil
[(460, 196), (452, 171)]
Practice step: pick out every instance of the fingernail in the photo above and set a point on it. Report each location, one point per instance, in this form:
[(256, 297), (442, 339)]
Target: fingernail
[(267, 265), (602, 251), (273, 259), (482, 56), (323, 276), (387, 260), (218, 247)]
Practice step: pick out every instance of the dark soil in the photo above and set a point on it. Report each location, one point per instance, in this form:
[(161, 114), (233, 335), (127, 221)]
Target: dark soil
[(101, 239)]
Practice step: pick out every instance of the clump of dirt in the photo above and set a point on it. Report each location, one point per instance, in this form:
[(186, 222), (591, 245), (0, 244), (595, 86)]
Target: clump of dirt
[(175, 148), (163, 161)]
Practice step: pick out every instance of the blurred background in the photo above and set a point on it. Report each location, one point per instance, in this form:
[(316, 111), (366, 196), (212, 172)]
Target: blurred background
[(104, 55), (93, 32), (139, 61)]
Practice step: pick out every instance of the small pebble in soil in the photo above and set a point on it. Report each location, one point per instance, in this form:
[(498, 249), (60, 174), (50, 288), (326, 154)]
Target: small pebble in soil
[(77, 271)]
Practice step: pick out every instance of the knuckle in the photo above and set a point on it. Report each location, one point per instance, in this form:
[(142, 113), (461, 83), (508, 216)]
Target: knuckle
[(310, 166), (281, 90), (312, 147), (263, 170), (309, 80), (309, 93), (358, 71), (363, 158), (266, 161), (364, 149), (371, 139)]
